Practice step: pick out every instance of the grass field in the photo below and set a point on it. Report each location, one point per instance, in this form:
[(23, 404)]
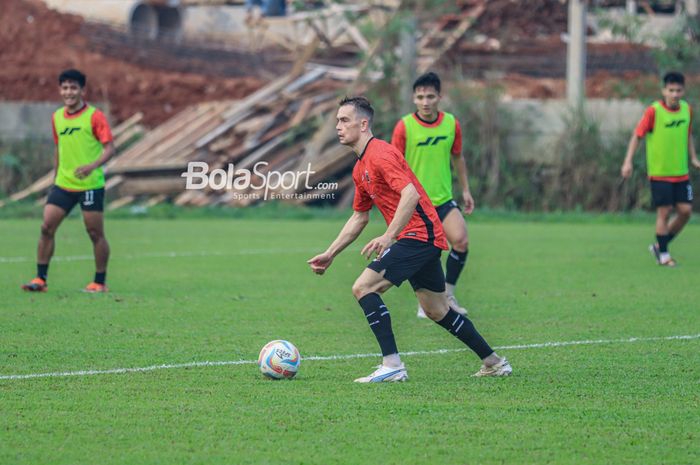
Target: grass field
[(217, 290)]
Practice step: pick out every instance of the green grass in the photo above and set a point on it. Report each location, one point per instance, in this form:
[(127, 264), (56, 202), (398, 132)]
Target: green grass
[(240, 283)]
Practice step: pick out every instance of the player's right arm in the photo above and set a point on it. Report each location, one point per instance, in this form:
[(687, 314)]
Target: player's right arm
[(632, 146), (645, 125), (351, 231)]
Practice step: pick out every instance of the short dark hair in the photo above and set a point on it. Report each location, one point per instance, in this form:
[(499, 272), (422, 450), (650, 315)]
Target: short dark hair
[(428, 79), (674, 77), (72, 75), (362, 106)]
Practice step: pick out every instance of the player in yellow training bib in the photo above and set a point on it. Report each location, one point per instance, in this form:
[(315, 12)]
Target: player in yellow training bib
[(431, 141), (83, 144), (667, 126)]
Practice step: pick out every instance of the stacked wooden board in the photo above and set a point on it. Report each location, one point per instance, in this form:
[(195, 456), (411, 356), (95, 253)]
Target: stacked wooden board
[(265, 132)]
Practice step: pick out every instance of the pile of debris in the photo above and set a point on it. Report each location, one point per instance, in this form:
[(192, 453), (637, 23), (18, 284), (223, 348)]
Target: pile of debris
[(264, 133), (40, 42), (268, 131)]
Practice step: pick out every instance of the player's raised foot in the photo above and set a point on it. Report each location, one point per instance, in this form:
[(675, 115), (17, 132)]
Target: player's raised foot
[(454, 305), (421, 312), (654, 250), (502, 368), (36, 285), (384, 374), (94, 288)]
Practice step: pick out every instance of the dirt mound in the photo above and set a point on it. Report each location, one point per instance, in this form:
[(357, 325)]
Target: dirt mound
[(40, 42)]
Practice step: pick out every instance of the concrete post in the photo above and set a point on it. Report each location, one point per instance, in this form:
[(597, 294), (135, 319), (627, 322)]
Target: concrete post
[(691, 7), (408, 61), (576, 54), (631, 7)]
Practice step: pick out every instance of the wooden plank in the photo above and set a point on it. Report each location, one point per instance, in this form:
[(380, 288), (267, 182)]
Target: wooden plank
[(113, 182), (223, 128), (181, 140), (154, 139), (301, 113), (467, 20), (37, 186), (156, 200), (356, 36), (120, 202), (164, 167), (127, 123), (152, 185)]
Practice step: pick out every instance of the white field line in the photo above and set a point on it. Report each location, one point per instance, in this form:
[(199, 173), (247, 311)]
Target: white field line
[(341, 357), (204, 253)]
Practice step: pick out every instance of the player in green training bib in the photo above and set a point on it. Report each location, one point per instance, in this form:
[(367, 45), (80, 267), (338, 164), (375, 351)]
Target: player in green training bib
[(431, 141), (667, 127), (83, 144)]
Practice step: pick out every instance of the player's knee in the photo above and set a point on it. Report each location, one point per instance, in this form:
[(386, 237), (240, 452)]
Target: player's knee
[(48, 230), (359, 290), (461, 244), (663, 213), (684, 210), (436, 312), (95, 234)]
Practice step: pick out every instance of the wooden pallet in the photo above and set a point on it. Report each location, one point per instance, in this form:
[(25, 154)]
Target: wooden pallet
[(448, 30)]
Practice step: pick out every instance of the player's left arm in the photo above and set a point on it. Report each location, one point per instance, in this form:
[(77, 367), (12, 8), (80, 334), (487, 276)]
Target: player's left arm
[(108, 151), (459, 163), (101, 132)]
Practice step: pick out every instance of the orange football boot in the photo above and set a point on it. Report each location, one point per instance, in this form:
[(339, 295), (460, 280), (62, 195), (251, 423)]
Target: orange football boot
[(94, 288), (36, 285)]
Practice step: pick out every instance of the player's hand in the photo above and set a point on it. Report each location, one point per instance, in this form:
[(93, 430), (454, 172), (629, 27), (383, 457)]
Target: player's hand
[(320, 263), (695, 162), (468, 202), (84, 171), (377, 245), (626, 170)]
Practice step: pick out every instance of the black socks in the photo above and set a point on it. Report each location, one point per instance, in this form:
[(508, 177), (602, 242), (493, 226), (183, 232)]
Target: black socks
[(455, 264), (380, 322), (463, 329)]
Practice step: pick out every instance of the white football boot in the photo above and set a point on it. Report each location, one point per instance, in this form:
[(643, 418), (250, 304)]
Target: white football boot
[(385, 374), (502, 368), (454, 305)]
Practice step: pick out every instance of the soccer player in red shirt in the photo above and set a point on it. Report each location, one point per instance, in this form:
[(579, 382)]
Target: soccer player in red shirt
[(84, 143), (431, 141), (667, 127), (410, 248)]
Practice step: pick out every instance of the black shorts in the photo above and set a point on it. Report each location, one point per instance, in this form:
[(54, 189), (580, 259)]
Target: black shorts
[(445, 208), (412, 260), (90, 201), (664, 193)]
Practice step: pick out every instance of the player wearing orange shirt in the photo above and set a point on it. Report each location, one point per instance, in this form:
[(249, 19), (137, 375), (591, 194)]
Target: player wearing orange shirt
[(409, 250), (83, 144), (431, 141), (667, 126)]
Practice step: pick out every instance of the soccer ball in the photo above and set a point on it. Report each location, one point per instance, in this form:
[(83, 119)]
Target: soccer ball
[(279, 359)]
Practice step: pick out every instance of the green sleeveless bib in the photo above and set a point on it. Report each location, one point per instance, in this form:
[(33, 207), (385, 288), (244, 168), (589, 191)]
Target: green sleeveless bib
[(77, 146), (667, 144), (428, 152)]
